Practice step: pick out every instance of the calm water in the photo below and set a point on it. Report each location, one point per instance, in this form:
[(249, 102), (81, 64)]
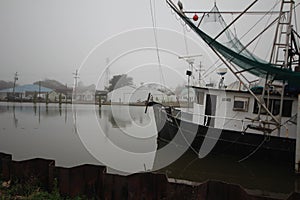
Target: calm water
[(124, 139)]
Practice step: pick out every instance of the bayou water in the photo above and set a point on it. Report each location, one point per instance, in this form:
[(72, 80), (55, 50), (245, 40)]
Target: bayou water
[(123, 138)]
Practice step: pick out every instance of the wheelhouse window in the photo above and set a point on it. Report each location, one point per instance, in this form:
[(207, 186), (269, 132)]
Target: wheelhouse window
[(241, 104), (274, 107), (200, 97)]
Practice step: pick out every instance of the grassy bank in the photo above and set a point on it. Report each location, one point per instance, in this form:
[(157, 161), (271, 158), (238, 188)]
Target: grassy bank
[(14, 190)]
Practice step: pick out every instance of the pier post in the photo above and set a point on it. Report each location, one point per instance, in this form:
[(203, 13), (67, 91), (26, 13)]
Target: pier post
[(60, 99), (100, 101), (297, 153)]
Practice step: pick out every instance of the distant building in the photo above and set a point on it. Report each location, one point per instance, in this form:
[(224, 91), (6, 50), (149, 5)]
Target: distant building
[(67, 92), (183, 96), (25, 91), (121, 95), (84, 93), (101, 94), (54, 96), (87, 95), (133, 94)]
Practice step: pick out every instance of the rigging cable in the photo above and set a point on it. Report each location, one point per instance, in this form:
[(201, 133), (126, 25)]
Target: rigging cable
[(234, 29), (295, 18), (215, 68), (265, 27), (185, 40), (153, 17)]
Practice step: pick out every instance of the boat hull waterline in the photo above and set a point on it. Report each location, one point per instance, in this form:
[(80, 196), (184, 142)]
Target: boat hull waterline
[(206, 141)]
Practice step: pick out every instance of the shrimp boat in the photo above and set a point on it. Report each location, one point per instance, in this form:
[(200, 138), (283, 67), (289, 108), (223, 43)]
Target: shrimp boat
[(259, 121)]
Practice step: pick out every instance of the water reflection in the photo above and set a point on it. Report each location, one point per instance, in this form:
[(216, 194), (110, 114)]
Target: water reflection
[(15, 119), (124, 139), (56, 132), (125, 118), (36, 130), (258, 177), (118, 123), (39, 110), (116, 137)]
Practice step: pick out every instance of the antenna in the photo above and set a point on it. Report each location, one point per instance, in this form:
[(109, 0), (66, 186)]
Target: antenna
[(190, 60), (222, 72), (200, 70)]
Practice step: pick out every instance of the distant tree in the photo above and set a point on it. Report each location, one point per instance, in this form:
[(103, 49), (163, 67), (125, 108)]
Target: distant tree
[(119, 81), (166, 91), (179, 89), (5, 84), (52, 84)]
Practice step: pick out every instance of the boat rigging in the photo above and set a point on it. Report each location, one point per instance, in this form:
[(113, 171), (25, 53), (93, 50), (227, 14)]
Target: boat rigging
[(236, 56), (236, 121)]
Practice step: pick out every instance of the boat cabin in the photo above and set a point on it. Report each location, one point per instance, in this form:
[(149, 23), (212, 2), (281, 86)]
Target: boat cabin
[(239, 111)]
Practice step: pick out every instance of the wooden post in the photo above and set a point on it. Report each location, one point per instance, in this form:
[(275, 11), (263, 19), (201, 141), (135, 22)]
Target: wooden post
[(297, 153), (60, 99), (34, 97), (99, 101), (47, 98)]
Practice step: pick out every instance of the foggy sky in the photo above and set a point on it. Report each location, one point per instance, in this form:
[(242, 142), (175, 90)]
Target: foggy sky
[(52, 38)]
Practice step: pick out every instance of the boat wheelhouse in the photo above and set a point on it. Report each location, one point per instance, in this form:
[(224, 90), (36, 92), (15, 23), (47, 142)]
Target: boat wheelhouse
[(238, 110)]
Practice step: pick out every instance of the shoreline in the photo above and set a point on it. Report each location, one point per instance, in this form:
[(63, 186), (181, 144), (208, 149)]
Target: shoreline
[(172, 104), (93, 181)]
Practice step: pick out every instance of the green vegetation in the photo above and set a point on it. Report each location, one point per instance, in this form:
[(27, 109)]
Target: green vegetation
[(29, 191), (119, 81)]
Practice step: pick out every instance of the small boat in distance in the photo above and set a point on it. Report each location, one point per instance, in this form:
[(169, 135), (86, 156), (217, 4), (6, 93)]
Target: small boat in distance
[(260, 121)]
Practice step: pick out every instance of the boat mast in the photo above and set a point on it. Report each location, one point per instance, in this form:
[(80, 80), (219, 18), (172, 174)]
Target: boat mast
[(190, 60), (282, 46)]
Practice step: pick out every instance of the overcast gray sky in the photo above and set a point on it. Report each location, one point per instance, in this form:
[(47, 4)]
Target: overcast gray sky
[(52, 38)]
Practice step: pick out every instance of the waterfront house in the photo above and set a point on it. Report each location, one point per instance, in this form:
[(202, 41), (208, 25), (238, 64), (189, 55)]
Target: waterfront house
[(25, 91)]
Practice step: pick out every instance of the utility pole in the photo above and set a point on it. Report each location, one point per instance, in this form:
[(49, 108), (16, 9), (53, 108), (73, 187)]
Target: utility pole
[(107, 73), (76, 77), (15, 80), (39, 91), (66, 93)]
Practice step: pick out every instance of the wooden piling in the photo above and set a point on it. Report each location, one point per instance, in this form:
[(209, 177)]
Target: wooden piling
[(100, 102), (35, 97), (60, 99), (47, 99)]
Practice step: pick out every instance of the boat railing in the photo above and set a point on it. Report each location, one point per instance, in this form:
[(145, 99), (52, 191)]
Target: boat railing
[(244, 121), (220, 117)]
